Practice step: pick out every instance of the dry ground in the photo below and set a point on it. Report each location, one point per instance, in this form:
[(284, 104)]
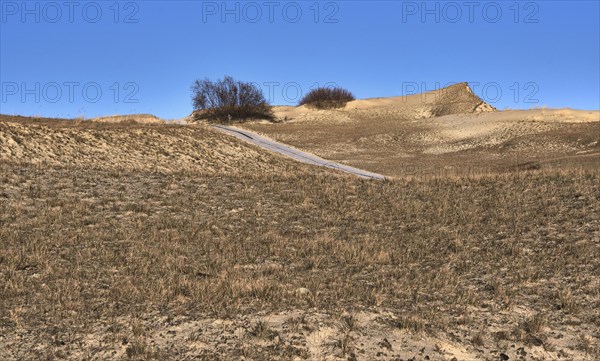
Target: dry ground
[(131, 146), (216, 250), (447, 132)]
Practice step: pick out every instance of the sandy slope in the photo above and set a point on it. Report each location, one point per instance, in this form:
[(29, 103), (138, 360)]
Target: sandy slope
[(458, 98), (137, 118), (449, 128), (454, 133), (216, 263), (287, 151), (133, 147)]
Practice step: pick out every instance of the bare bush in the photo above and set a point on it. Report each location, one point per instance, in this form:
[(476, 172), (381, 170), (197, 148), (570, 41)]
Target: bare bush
[(327, 98), (228, 100)]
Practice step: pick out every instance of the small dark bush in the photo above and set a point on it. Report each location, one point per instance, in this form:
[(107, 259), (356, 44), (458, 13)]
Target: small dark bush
[(228, 100), (327, 98)]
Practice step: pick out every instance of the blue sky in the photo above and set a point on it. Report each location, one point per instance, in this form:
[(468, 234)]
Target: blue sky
[(69, 59)]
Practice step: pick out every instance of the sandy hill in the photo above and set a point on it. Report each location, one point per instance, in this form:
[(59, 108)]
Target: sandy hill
[(450, 128), (149, 145), (137, 118), (455, 99), (229, 257)]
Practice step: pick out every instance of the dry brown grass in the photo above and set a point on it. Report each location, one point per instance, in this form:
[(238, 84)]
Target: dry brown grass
[(142, 264)]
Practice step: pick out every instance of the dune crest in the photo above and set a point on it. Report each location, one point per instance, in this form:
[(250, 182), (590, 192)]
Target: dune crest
[(455, 99), (136, 118), (129, 146)]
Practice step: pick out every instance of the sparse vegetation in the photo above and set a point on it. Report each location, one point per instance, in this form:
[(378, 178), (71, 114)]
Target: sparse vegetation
[(327, 98), (396, 144), (108, 262), (229, 100)]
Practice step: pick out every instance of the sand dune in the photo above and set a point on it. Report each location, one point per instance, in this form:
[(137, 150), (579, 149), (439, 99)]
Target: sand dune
[(458, 98), (448, 128), (133, 147), (136, 118), (455, 99), (135, 239)]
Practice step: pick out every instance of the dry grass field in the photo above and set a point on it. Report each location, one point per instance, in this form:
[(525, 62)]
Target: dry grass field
[(148, 241)]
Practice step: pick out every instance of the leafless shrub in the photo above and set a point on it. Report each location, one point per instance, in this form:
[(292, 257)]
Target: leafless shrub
[(327, 98), (228, 100)]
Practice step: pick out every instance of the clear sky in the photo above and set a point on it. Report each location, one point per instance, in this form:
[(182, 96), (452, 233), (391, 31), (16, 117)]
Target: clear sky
[(71, 58)]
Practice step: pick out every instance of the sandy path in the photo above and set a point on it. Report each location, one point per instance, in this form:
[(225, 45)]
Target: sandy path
[(293, 153)]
